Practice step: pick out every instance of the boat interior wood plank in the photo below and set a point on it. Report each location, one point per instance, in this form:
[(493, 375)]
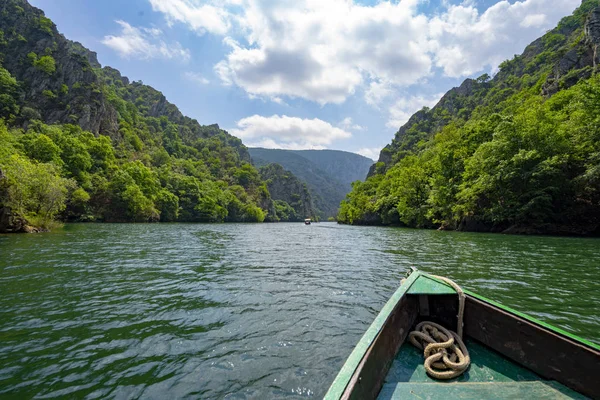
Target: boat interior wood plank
[(475, 391), (547, 353)]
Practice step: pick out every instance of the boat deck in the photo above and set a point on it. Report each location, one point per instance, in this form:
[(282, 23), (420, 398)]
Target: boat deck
[(490, 376)]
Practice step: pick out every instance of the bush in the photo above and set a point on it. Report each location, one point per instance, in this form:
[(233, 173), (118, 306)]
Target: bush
[(35, 190), (45, 64)]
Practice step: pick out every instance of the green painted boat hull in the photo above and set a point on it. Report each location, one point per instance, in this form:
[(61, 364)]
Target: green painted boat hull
[(513, 355)]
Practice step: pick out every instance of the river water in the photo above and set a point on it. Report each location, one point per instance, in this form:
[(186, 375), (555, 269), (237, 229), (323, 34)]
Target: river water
[(245, 311)]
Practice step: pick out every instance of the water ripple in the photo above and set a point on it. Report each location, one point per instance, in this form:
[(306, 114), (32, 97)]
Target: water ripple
[(245, 311)]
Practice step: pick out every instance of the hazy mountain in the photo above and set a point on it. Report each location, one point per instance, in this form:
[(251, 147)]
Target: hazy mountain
[(328, 173)]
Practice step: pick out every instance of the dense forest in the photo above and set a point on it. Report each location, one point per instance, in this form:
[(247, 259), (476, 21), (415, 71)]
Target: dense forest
[(79, 142), (328, 173), (517, 153), (292, 199)]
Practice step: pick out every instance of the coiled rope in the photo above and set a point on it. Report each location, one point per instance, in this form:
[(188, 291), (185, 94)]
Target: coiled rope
[(446, 356)]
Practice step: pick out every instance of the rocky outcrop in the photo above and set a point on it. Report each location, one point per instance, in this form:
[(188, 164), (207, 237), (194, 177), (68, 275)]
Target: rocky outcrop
[(284, 186), (592, 34), (579, 62), (11, 222), (67, 92)]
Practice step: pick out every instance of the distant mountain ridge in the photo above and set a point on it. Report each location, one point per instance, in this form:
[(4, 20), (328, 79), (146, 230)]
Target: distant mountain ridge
[(328, 173)]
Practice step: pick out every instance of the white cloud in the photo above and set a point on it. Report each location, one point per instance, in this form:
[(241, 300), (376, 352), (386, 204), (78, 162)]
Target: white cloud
[(196, 78), (377, 92), (324, 51), (466, 42), (199, 17), (144, 43), (533, 20), (347, 123), (405, 107), (370, 152), (285, 132)]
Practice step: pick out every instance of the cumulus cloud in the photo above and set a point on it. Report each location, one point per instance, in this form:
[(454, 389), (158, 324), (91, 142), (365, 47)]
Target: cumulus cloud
[(324, 51), (534, 20), (144, 43), (406, 106), (201, 18), (377, 92), (196, 78), (465, 42), (285, 132)]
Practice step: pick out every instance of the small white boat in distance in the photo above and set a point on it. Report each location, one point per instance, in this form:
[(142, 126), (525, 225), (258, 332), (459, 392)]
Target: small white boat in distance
[(307, 221)]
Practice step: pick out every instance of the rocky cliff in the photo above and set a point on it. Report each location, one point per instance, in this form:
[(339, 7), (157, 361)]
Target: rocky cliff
[(292, 198), (59, 82)]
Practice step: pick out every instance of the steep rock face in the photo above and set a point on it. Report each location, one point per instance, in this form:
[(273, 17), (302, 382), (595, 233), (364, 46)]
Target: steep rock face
[(70, 91), (284, 186), (592, 33), (579, 62)]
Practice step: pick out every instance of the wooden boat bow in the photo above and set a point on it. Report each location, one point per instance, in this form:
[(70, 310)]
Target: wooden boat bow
[(548, 359)]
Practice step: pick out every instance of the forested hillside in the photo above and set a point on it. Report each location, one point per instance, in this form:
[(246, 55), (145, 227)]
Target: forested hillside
[(292, 199), (328, 173), (81, 142), (519, 152)]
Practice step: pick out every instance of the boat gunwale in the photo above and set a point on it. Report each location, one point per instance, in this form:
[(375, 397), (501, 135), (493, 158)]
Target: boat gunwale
[(344, 377)]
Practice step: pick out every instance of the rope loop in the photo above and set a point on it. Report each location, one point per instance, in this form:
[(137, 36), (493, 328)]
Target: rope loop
[(446, 355)]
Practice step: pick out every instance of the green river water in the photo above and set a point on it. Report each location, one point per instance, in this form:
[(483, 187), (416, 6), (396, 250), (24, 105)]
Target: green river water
[(238, 311)]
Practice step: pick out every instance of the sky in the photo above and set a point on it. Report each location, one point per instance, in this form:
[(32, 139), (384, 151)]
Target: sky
[(305, 74)]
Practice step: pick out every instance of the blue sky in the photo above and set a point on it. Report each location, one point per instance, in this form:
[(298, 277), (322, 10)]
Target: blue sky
[(337, 74)]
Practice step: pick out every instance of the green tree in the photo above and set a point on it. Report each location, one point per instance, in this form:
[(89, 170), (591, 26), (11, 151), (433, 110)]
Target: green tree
[(35, 190), (168, 206), (128, 202), (45, 64), (8, 90), (41, 148)]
